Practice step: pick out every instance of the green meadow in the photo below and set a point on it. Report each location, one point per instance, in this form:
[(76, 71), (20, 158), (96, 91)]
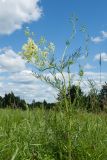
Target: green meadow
[(53, 80), (42, 135)]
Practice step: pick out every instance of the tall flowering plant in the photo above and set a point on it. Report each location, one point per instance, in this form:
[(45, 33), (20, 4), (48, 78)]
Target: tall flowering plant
[(41, 55)]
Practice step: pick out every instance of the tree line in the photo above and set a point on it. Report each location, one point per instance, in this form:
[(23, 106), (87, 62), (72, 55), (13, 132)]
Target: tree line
[(11, 101), (93, 101)]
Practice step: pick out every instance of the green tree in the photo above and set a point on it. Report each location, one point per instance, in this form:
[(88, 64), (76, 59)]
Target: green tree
[(103, 97), (74, 95)]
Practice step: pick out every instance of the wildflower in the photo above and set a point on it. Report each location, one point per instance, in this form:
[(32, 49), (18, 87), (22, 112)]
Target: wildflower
[(30, 49)]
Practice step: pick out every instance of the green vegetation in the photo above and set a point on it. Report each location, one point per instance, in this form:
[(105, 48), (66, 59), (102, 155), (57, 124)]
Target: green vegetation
[(60, 131), (42, 135)]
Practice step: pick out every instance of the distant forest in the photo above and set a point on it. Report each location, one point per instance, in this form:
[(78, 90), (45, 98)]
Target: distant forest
[(15, 102), (94, 101)]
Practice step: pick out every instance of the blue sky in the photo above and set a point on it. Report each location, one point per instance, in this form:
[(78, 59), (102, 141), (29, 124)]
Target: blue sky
[(48, 18)]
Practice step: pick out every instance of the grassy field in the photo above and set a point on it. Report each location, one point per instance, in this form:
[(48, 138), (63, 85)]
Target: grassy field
[(42, 135)]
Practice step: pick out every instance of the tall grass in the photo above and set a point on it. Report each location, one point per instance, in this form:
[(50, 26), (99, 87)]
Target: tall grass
[(42, 135)]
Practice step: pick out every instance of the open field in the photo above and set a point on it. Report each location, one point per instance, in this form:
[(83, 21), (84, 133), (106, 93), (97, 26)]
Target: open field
[(42, 135), (53, 80)]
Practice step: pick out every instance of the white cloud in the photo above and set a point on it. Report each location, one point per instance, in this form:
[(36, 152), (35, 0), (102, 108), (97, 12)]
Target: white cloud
[(88, 75), (24, 77), (34, 89), (103, 56), (16, 77), (95, 76), (19, 79), (100, 38), (10, 61), (14, 13), (104, 34), (97, 39)]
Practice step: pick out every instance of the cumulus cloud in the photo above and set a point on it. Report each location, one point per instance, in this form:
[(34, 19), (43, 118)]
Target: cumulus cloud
[(88, 75), (10, 61), (29, 88), (97, 39), (14, 13), (95, 76), (101, 38), (16, 77), (23, 77), (104, 34), (102, 55)]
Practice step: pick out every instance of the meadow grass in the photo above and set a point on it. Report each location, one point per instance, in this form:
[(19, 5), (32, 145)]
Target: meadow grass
[(42, 135)]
